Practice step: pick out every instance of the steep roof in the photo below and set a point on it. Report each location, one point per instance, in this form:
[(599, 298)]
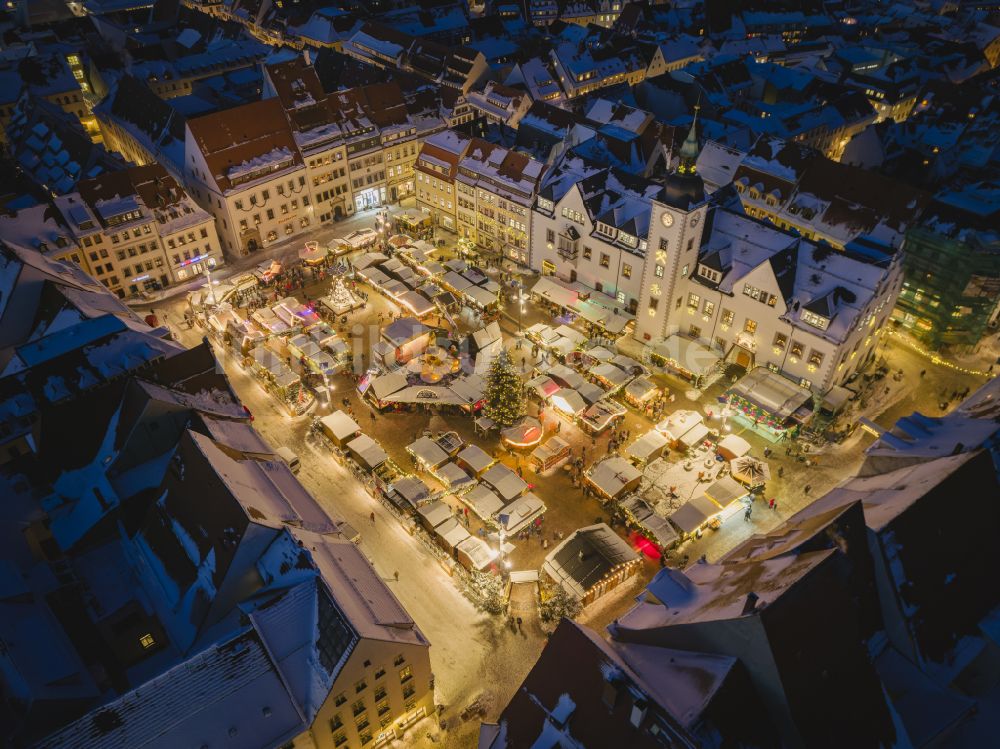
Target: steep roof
[(233, 141)]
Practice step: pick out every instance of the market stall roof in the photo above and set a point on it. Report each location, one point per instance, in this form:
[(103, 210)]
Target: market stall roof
[(339, 425), (427, 452), (476, 458), (694, 513), (469, 389), (543, 385), (477, 551), (416, 302), (434, 513), (505, 482), (647, 446), (543, 333), (367, 451), (591, 392), (686, 354), (585, 557), (615, 377), (679, 423), (553, 446), (451, 532), (657, 525), (694, 435), (573, 334), (568, 401), (485, 336), (412, 489), (395, 288), (287, 379), (456, 281), (392, 265), (520, 512), (733, 446), (725, 491), (640, 389), (453, 475), (429, 394), (483, 501), (374, 276), (480, 296), (629, 364), (600, 414), (565, 376), (367, 260), (554, 292), (385, 385), (613, 475), (432, 268), (600, 353), (562, 346), (777, 395)]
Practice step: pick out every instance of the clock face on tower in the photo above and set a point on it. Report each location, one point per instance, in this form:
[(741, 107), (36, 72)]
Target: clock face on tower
[(667, 219)]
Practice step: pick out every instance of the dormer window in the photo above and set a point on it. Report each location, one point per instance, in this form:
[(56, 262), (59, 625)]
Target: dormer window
[(817, 321), (605, 230), (709, 274), (545, 205), (627, 239)]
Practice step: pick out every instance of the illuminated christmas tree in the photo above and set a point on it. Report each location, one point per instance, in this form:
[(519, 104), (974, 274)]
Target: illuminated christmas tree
[(504, 392)]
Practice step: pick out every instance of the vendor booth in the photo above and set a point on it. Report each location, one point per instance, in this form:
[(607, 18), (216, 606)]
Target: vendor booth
[(339, 428), (772, 405), (553, 453), (519, 513), (732, 446), (647, 448), (690, 359)]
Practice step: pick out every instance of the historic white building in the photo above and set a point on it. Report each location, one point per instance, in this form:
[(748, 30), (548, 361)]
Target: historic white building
[(705, 282)]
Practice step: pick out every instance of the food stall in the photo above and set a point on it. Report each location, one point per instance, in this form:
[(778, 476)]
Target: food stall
[(553, 453), (339, 428), (647, 448)]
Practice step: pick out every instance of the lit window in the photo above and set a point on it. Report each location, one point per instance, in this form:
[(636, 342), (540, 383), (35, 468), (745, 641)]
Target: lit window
[(147, 641)]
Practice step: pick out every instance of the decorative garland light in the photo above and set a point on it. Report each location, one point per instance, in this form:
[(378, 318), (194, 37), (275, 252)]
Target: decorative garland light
[(937, 359)]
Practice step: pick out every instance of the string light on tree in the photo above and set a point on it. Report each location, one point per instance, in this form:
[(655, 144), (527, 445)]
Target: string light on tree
[(504, 392)]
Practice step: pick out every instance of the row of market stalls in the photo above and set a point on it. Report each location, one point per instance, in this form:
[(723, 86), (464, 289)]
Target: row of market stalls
[(401, 283), (594, 307), (412, 495), (421, 284), (668, 501), (490, 490)]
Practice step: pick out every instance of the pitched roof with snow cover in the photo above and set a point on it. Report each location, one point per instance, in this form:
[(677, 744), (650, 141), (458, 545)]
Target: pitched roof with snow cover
[(233, 685), (241, 142), (580, 561)]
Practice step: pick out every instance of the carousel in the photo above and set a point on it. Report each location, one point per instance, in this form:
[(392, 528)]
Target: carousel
[(433, 365), (312, 254)]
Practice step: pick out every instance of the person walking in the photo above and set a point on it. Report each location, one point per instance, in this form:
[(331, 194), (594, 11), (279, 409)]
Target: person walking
[(372, 518), (771, 503), (806, 489), (396, 575)]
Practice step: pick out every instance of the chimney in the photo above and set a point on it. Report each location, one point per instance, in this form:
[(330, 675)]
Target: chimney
[(751, 604)]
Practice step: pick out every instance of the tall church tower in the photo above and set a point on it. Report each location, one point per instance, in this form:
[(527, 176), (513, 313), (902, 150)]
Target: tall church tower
[(675, 228)]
